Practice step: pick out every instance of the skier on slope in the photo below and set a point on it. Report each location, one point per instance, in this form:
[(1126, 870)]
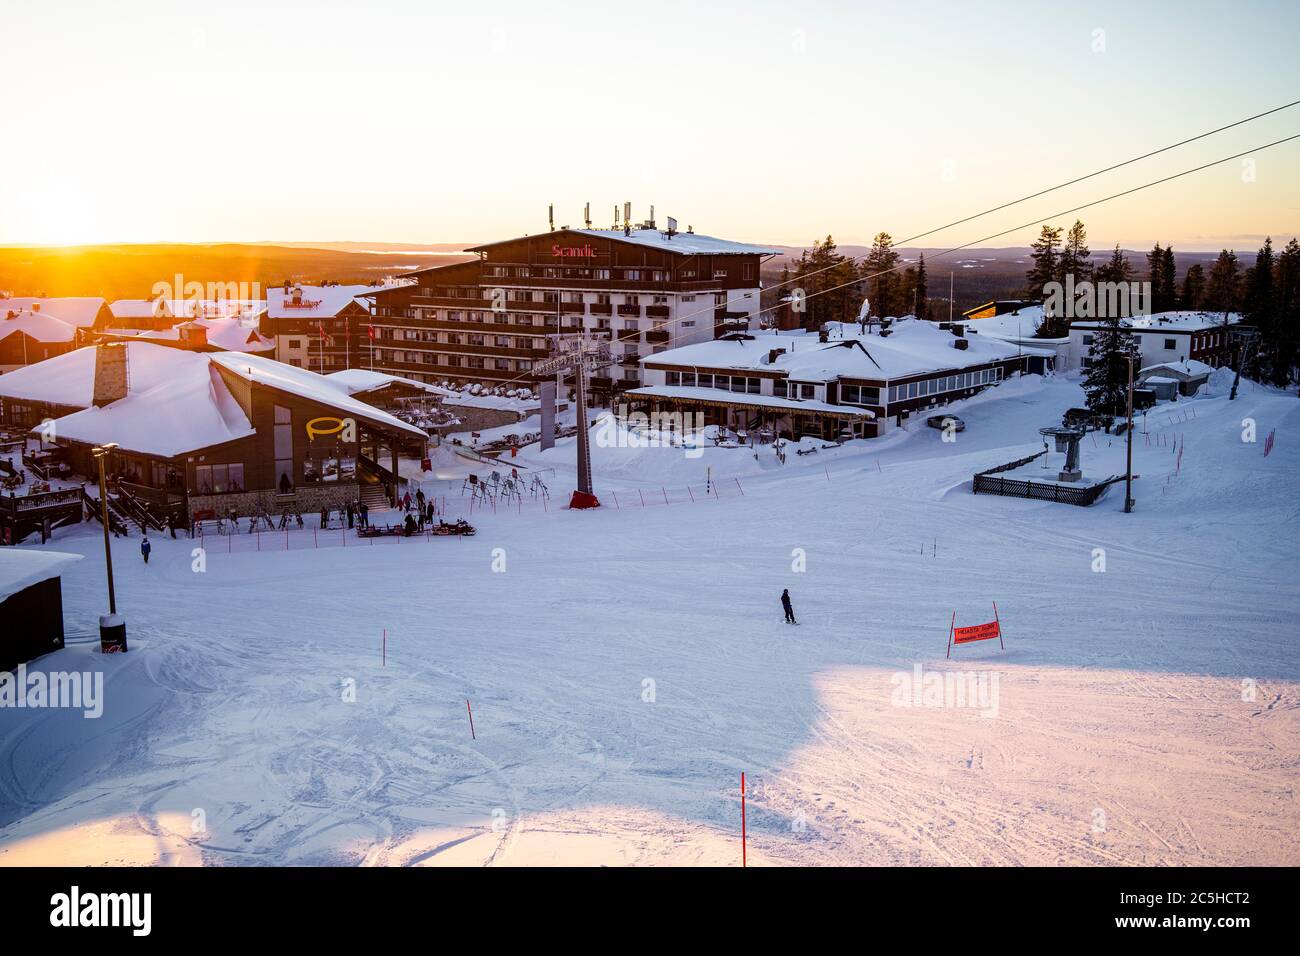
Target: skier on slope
[(145, 548), (789, 608)]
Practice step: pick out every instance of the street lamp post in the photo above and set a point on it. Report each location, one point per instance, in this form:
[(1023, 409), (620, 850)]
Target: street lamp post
[(112, 629), (1128, 433)]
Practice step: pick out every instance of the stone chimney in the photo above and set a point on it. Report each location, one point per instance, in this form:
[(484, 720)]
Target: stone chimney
[(110, 373)]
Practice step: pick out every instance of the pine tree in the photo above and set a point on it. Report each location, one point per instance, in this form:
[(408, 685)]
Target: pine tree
[(1222, 292), (1286, 293), (1155, 275), (1106, 383), (1046, 252), (1075, 258), (1223, 288), (827, 280), (1168, 280), (1258, 309), (1193, 297), (921, 294), (884, 282), (1116, 269)]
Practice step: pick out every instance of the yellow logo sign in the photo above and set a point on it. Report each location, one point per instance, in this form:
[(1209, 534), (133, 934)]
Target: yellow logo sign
[(325, 426)]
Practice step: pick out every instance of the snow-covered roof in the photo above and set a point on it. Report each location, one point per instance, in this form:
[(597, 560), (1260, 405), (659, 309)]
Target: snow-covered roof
[(306, 384), (364, 380), (40, 326), (683, 243), (689, 393), (1187, 368), (1167, 322), (913, 347), (80, 311), (230, 335), (139, 308), (177, 400), (1018, 326), (20, 568), (185, 407), (318, 302)]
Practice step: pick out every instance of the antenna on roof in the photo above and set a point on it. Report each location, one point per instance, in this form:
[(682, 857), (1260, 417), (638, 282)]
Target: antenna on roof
[(652, 215), (586, 215), (615, 215), (672, 226), (550, 215)]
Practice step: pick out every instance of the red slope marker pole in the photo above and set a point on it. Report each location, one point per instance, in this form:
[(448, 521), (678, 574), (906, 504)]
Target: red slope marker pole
[(744, 853), (470, 711), (999, 621)]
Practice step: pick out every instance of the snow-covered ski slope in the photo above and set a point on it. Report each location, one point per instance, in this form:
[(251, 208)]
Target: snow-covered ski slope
[(627, 665)]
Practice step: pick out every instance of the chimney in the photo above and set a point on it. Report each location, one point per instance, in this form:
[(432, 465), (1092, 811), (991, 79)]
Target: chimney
[(961, 343), (193, 335), (110, 373), (36, 307)]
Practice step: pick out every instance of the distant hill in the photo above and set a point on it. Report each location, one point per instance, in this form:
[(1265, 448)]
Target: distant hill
[(130, 271)]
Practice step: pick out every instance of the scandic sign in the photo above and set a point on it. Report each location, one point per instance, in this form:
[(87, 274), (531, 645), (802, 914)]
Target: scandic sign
[(585, 251)]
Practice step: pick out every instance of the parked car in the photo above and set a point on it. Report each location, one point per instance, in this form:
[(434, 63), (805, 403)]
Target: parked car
[(941, 421)]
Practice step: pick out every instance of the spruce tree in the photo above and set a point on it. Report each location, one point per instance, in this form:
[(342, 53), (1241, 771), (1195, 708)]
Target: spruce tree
[(1075, 259), (885, 283), (1222, 292), (1258, 309), (1106, 382), (1115, 269), (1193, 297), (1286, 298), (1168, 280), (1155, 272), (921, 294), (1046, 251)]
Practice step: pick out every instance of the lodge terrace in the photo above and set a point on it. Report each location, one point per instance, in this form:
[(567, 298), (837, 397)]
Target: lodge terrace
[(842, 382), (201, 433)]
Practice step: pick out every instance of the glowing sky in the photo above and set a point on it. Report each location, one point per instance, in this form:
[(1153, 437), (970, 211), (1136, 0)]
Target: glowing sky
[(406, 121)]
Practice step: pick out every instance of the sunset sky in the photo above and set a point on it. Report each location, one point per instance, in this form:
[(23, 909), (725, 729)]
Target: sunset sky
[(405, 121)]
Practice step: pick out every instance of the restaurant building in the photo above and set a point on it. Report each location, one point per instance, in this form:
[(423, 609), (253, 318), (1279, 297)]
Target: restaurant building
[(838, 383), (205, 432)]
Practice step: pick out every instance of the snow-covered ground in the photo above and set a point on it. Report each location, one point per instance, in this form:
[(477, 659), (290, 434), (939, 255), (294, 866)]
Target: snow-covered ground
[(626, 665)]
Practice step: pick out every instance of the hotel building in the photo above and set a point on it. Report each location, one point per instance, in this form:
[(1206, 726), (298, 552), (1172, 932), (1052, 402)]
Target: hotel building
[(487, 321)]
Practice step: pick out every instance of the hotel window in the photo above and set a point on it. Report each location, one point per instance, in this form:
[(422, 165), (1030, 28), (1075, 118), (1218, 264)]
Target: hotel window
[(631, 300), (503, 341), (737, 383), (632, 275), (688, 298), (603, 298), (688, 378), (525, 366), (779, 387), (1170, 345), (706, 381), (475, 339), (720, 298), (453, 359), (476, 361), (283, 442), (749, 270), (688, 324), (674, 378), (600, 273), (295, 343), (660, 300), (219, 479), (503, 364), (1087, 340), (454, 338)]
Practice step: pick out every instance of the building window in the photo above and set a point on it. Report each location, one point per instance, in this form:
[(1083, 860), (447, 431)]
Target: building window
[(1170, 345), (1087, 340), (283, 442)]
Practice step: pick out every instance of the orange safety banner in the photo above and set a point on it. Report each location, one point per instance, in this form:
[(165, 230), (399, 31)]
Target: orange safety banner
[(976, 632)]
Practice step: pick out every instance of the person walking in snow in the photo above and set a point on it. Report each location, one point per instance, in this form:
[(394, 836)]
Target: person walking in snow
[(419, 498), (406, 502), (145, 548), (350, 514), (789, 608), (365, 515)]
